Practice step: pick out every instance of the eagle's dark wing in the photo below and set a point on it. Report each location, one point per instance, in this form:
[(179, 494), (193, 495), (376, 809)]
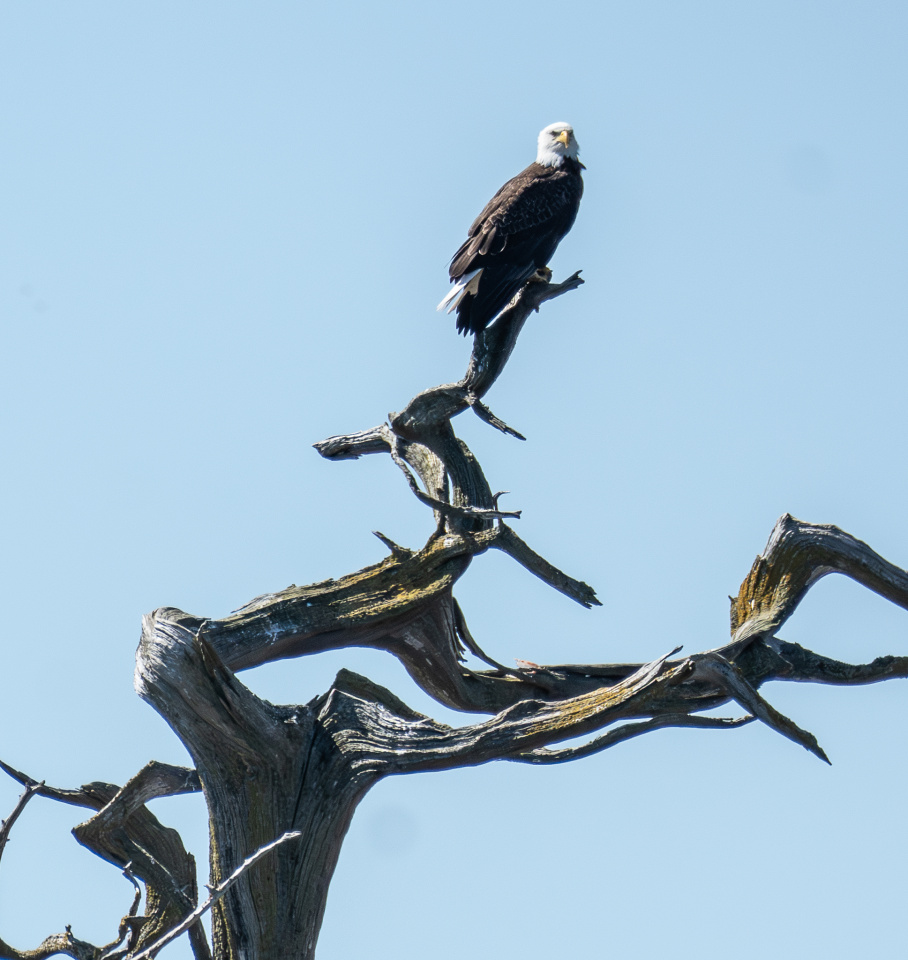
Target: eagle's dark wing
[(516, 233), (537, 204)]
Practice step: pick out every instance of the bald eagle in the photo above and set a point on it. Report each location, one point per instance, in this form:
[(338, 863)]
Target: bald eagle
[(517, 232)]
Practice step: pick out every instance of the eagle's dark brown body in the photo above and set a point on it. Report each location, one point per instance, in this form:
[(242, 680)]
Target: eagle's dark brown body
[(514, 236)]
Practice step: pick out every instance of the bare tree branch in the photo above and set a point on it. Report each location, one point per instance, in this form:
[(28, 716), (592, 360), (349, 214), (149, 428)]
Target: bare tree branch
[(57, 943), (486, 415), (404, 605), (805, 666), (130, 925), (6, 825), (715, 668), (390, 743), (448, 509), (156, 779), (628, 731), (360, 732), (493, 346), (52, 946), (508, 542), (369, 608)]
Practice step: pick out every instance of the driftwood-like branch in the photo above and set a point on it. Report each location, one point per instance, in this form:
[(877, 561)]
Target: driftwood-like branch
[(362, 609), (796, 557), (129, 926), (125, 828), (374, 607), (493, 346), (390, 743), (154, 780), (266, 770), (442, 506), (358, 732), (486, 415), (58, 943), (492, 349), (330, 752), (715, 669)]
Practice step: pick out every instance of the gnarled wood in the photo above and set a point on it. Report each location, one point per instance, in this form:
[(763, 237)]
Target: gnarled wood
[(282, 782), (125, 833), (267, 770), (797, 556)]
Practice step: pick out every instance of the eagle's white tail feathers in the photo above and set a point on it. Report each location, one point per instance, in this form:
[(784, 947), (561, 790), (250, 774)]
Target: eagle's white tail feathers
[(468, 283)]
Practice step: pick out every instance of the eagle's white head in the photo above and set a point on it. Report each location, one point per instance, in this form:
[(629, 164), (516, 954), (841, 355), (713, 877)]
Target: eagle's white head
[(556, 142)]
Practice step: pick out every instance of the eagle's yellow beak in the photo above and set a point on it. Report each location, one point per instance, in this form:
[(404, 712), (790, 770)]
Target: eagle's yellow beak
[(564, 137)]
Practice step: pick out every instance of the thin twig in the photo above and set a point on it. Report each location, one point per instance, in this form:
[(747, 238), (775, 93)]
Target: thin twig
[(463, 631), (468, 513), (216, 893), (110, 951), (6, 825)]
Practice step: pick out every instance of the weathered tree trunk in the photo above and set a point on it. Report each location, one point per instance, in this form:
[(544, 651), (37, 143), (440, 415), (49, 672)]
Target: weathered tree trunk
[(282, 782), (265, 770)]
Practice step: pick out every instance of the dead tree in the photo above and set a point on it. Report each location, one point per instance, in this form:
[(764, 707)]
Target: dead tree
[(282, 782)]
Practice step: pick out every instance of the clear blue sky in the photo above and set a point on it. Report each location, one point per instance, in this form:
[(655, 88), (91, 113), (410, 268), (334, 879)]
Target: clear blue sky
[(223, 232)]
